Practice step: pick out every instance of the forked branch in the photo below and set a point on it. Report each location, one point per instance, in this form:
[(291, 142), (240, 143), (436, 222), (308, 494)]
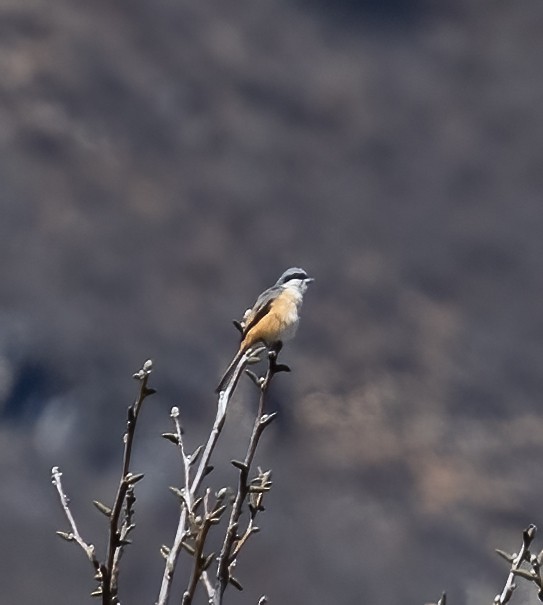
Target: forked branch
[(120, 515)]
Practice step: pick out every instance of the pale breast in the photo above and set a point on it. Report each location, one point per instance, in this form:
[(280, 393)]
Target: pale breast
[(290, 330), (286, 311)]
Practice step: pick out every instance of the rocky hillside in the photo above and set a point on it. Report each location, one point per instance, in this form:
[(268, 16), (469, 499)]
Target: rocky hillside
[(162, 163)]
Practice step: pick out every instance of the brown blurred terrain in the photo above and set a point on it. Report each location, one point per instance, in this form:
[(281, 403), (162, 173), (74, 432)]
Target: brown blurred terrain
[(163, 162)]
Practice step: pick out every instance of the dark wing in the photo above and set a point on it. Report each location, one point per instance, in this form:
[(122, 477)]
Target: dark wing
[(259, 310)]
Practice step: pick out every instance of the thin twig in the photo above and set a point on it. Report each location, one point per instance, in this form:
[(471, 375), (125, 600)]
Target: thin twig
[(207, 585), (186, 459), (227, 557), (203, 468), (516, 561), (108, 572), (74, 535), (116, 540), (189, 504), (535, 563), (198, 558), (259, 486)]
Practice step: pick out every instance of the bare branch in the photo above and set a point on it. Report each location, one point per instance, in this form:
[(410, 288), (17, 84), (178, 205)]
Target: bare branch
[(117, 539), (202, 470), (74, 535), (232, 542), (516, 562)]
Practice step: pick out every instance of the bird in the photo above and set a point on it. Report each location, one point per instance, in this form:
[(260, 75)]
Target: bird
[(273, 319)]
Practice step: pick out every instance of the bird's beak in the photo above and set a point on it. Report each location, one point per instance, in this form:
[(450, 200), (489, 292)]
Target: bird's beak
[(308, 280)]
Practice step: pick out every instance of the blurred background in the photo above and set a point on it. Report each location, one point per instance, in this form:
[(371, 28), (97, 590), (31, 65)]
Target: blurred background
[(163, 162)]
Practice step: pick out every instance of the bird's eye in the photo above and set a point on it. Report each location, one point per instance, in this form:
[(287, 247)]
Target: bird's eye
[(296, 276)]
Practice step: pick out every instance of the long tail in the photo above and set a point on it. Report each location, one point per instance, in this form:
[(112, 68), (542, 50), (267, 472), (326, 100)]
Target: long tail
[(233, 364)]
